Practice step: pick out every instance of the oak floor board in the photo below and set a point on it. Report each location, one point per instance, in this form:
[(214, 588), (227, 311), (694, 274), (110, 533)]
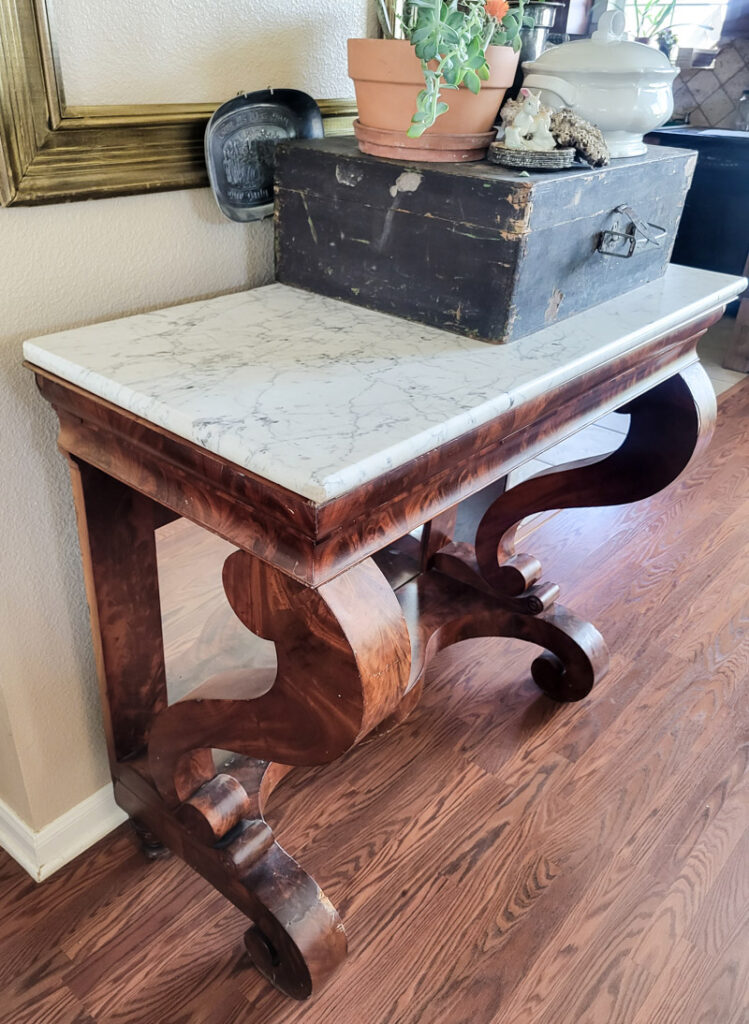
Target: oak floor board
[(700, 857), (615, 916), (726, 905), (207, 964), (665, 1002), (15, 884), (45, 914), (615, 808), (63, 889), (580, 922), (609, 984), (224, 1006), (497, 859), (504, 746), (38, 997), (121, 915), (112, 973), (658, 580), (701, 989), (601, 932)]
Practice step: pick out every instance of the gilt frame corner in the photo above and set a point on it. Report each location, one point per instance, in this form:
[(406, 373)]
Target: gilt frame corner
[(51, 152)]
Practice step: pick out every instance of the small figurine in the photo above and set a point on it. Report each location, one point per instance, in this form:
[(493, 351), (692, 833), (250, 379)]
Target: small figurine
[(535, 138), (527, 124)]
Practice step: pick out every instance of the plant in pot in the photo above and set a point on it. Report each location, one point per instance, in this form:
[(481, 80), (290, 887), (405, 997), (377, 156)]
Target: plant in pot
[(651, 17), (431, 89)]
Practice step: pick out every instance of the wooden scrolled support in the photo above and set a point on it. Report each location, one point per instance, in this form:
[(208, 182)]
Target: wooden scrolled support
[(296, 938), (458, 560), (670, 426), (343, 664), (575, 654)]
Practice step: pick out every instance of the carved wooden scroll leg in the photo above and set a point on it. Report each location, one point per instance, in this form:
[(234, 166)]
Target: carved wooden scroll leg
[(343, 665), (296, 940), (670, 425), (343, 661)]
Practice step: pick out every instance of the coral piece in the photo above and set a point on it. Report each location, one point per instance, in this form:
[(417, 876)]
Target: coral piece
[(569, 129)]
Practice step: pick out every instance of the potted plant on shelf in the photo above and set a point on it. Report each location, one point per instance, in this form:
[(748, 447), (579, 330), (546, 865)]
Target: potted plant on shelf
[(431, 89), (651, 17)]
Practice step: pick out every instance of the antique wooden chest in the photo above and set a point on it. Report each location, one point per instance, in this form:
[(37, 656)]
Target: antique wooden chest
[(473, 248)]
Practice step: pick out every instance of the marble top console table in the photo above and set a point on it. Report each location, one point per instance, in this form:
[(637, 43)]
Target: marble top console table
[(316, 436)]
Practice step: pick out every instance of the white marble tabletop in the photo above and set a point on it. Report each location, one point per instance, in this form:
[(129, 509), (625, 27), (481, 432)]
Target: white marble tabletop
[(321, 396)]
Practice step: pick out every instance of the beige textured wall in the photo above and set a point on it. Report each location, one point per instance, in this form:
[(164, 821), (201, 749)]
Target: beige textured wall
[(11, 776), (203, 52), (61, 266)]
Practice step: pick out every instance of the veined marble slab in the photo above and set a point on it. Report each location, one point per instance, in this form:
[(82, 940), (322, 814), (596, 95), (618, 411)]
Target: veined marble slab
[(320, 396)]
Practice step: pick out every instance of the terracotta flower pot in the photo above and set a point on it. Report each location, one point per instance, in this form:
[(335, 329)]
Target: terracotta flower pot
[(387, 77)]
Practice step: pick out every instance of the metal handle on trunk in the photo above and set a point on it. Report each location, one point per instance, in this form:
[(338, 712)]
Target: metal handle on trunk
[(632, 237)]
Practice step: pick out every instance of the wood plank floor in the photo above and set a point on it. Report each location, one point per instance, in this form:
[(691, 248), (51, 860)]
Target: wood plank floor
[(497, 860)]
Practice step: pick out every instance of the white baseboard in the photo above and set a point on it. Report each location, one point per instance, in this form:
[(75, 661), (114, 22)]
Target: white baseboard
[(44, 852)]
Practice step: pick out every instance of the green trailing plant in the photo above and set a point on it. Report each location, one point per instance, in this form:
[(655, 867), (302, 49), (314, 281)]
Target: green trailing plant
[(451, 39)]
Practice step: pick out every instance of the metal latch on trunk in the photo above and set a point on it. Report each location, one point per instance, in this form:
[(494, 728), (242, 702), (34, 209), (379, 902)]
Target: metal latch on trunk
[(629, 234)]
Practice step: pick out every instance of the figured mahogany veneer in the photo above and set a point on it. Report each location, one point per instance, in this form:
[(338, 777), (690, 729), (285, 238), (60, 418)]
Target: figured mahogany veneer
[(316, 542), (354, 633)]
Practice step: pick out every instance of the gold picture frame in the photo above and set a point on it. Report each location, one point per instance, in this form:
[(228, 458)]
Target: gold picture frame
[(51, 153)]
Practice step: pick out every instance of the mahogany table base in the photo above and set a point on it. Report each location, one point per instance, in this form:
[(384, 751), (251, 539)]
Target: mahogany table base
[(352, 654)]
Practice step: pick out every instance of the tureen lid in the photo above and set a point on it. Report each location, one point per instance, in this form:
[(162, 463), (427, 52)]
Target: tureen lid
[(607, 50)]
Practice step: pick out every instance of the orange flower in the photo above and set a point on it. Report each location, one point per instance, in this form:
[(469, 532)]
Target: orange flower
[(497, 8)]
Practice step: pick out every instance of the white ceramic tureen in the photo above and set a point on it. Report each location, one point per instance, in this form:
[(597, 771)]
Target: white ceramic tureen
[(622, 86)]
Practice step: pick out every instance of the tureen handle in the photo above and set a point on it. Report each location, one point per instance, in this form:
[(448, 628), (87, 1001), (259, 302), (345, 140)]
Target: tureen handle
[(566, 92), (610, 28)]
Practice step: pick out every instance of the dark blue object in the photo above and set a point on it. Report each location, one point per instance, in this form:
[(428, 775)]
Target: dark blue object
[(714, 231), (240, 143)]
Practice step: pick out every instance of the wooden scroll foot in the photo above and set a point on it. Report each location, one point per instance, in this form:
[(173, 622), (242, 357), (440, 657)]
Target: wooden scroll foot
[(575, 655), (299, 941), (296, 939)]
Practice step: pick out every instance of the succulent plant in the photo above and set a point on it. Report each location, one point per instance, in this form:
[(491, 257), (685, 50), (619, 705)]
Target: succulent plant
[(451, 39)]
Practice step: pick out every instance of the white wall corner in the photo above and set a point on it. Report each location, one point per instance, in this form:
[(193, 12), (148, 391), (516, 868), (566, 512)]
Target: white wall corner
[(44, 852)]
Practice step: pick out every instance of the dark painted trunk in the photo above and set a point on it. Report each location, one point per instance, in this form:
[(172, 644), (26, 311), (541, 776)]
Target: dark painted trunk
[(476, 249)]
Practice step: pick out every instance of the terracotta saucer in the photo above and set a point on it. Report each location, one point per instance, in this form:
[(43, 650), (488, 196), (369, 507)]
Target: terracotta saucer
[(461, 148)]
